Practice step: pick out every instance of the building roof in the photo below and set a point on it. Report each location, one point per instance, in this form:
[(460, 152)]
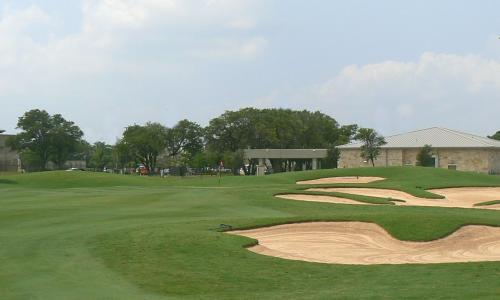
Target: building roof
[(437, 137)]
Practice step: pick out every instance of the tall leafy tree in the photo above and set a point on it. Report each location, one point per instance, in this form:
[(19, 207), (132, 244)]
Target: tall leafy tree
[(102, 155), (347, 133), (145, 143), (185, 137), (232, 130), (122, 155), (276, 128), (372, 142), (45, 137), (65, 138), (83, 152), (34, 140)]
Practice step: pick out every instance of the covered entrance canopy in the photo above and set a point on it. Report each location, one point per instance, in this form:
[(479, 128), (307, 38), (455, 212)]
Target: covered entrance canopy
[(305, 154)]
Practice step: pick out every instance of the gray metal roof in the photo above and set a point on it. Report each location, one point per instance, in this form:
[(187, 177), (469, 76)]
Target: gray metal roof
[(437, 137)]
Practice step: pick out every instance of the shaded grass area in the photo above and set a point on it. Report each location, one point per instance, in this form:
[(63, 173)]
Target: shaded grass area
[(79, 235), (486, 203), (6, 181)]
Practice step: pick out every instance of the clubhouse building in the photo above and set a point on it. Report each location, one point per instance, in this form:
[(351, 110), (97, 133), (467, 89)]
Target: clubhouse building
[(451, 150)]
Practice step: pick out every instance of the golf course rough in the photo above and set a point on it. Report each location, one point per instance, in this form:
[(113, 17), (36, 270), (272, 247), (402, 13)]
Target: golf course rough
[(85, 235), (342, 179)]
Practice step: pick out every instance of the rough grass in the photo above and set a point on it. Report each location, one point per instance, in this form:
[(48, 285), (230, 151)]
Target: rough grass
[(486, 203), (79, 235), (360, 198)]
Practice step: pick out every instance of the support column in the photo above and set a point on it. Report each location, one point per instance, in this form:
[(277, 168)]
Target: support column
[(314, 163), (261, 168)]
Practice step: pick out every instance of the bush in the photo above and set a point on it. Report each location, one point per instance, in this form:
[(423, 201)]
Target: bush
[(424, 157)]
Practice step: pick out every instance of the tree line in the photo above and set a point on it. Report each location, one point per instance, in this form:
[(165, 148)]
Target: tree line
[(46, 138)]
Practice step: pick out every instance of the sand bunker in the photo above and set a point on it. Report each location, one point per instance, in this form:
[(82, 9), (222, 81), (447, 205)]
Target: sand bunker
[(320, 198), (366, 243), (345, 179), (468, 196), (454, 197)]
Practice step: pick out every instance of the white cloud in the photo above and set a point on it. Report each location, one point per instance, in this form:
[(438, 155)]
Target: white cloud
[(17, 21), (457, 91), (232, 48), (123, 49), (126, 14)]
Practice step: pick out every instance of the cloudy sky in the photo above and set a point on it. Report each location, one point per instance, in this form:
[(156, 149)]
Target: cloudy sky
[(391, 65)]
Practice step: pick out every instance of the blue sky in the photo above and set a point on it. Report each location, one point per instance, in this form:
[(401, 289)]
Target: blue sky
[(394, 66)]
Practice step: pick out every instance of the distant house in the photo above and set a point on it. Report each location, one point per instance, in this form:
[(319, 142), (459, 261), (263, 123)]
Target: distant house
[(452, 150), (9, 159)]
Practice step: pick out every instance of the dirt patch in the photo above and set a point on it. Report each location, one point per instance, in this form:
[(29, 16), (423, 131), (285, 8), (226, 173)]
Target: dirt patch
[(362, 243), (345, 179), (454, 197), (319, 198)]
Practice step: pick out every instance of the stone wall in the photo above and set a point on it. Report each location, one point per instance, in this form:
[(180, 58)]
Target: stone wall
[(410, 157), (495, 162), (8, 158), (477, 160), (350, 158), (393, 157)]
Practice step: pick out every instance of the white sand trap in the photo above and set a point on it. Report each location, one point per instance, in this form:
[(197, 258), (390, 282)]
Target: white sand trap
[(366, 244), (454, 197), (469, 196), (320, 198), (345, 179)]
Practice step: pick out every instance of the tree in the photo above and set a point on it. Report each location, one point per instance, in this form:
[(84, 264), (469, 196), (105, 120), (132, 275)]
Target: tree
[(346, 135), (275, 128), (122, 156), (101, 155), (496, 136), (233, 160), (2, 131), (145, 143), (372, 142), (83, 151), (64, 138), (45, 137), (331, 159), (185, 137), (424, 157)]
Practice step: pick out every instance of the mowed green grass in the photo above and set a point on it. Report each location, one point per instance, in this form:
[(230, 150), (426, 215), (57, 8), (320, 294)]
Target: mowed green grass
[(79, 235)]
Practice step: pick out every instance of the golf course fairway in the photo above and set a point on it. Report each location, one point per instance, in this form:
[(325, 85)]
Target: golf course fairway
[(84, 235)]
